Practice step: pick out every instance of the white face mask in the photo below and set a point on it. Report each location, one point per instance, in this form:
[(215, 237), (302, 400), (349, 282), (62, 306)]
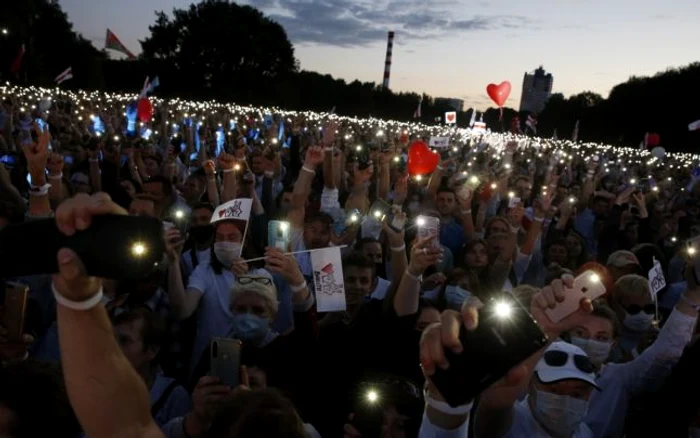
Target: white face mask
[(639, 322), (227, 252), (597, 351), (560, 414), (455, 296)]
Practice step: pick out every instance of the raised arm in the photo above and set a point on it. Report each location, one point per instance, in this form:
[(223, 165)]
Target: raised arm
[(106, 393)]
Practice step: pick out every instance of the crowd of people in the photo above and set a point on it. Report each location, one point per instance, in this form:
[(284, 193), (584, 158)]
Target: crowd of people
[(136, 357)]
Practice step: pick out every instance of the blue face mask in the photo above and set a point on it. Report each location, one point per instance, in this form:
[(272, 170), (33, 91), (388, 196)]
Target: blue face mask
[(455, 296), (249, 327)]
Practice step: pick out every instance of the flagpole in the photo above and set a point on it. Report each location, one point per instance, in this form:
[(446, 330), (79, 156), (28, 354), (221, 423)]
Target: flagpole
[(293, 253)]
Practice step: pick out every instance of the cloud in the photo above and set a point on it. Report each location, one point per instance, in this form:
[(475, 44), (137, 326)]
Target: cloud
[(353, 23)]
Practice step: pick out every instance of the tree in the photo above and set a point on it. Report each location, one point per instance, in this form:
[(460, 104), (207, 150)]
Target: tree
[(51, 44), (217, 45)]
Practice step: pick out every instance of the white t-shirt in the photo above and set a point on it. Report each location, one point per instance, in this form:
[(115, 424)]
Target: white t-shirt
[(525, 425)]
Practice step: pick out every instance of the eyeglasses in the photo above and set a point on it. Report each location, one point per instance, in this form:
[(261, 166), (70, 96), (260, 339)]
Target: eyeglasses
[(556, 358), (634, 309), (247, 280)]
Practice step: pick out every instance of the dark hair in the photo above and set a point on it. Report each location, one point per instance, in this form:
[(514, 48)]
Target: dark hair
[(445, 189), (358, 260), (201, 205), (153, 329), (36, 394), (167, 184), (257, 413), (360, 243), (601, 309), (319, 216)]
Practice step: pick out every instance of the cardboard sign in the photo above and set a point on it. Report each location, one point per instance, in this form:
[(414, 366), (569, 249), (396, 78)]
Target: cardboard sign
[(439, 142), (451, 117)]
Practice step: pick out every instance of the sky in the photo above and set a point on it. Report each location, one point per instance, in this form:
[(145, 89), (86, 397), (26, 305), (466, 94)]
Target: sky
[(454, 48)]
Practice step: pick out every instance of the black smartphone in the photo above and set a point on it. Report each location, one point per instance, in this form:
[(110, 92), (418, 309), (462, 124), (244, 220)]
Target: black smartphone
[(506, 335), (116, 247), (368, 411), (225, 361)]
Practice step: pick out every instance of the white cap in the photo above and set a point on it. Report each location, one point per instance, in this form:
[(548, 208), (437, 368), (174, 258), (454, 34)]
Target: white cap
[(568, 370)]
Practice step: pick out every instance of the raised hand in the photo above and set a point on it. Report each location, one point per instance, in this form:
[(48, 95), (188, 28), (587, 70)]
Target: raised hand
[(314, 157)]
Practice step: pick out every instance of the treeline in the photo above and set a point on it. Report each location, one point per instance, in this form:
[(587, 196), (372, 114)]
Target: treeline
[(224, 51)]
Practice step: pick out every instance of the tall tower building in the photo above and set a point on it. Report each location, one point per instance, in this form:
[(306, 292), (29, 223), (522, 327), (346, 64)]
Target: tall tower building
[(537, 87), (387, 62)]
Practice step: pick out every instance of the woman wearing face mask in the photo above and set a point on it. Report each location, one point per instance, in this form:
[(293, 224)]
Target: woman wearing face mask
[(200, 235), (635, 310), (460, 288), (599, 335), (209, 285), (254, 306)]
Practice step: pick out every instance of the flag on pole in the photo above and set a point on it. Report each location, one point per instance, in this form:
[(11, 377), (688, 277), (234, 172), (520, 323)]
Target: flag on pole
[(417, 112), (574, 136), (531, 123), (113, 43), (63, 77), (694, 126), (327, 267), (473, 119), (554, 135), (17, 63)]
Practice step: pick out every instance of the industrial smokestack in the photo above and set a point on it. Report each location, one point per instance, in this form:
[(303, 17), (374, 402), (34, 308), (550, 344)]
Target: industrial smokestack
[(387, 63)]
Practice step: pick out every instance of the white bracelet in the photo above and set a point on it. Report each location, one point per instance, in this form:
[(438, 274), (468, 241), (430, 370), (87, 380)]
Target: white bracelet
[(311, 171), (466, 212), (538, 219), (444, 408), (78, 305), (414, 277), (330, 149), (59, 176), (299, 288), (440, 167), (398, 248), (514, 229), (228, 170)]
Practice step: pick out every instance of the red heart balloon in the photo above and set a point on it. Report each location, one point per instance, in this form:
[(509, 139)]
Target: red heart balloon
[(421, 160), (144, 110), (653, 139), (499, 93)]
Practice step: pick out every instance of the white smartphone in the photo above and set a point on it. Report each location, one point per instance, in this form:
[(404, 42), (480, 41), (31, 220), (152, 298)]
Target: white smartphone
[(587, 285), (464, 192), (428, 226)]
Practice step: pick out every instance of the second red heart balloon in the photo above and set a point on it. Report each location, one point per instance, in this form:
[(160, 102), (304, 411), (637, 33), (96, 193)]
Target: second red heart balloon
[(421, 160), (499, 93)]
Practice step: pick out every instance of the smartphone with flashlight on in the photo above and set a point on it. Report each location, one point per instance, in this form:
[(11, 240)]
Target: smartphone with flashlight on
[(428, 226), (278, 235), (505, 336), (180, 220), (692, 247), (513, 201), (114, 246), (587, 285), (368, 411)]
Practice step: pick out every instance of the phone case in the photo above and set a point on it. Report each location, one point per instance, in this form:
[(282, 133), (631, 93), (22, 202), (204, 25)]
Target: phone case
[(514, 202), (116, 247), (430, 227), (586, 285), (490, 351), (278, 235), (225, 360), (379, 210), (14, 308)]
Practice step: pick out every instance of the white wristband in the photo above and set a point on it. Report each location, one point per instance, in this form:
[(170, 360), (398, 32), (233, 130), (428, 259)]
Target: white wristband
[(514, 229), (398, 248), (306, 169), (301, 287), (538, 219), (78, 305), (466, 212), (443, 407), (228, 170), (59, 176)]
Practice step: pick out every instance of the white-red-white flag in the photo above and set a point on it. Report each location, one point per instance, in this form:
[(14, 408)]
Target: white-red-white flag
[(531, 123), (63, 77), (694, 126), (574, 136), (416, 113)]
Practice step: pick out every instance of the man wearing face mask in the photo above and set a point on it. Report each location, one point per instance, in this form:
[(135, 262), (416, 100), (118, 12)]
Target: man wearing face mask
[(632, 304), (598, 335)]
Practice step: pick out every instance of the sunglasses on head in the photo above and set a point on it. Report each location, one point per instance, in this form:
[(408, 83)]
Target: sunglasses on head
[(556, 358), (634, 309), (247, 280)]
